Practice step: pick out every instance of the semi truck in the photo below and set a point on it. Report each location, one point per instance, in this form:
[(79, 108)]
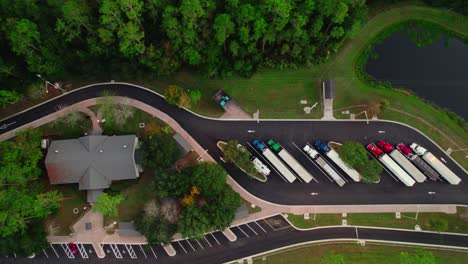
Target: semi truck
[(271, 157), (333, 155), (418, 162), (260, 167), (391, 165), (290, 161), (435, 163), (311, 152), (402, 161)]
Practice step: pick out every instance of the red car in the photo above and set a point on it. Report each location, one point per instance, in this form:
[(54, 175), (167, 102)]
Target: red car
[(387, 148), (374, 150), (404, 149), (73, 248)]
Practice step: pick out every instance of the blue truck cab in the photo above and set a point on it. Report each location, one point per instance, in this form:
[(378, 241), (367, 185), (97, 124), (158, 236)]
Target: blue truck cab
[(321, 146), (258, 144)]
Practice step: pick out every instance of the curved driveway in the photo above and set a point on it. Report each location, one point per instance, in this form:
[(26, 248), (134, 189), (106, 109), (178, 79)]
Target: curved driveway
[(208, 131)]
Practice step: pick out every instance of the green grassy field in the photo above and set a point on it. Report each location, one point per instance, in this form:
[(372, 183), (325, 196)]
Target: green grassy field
[(457, 223), (353, 253)]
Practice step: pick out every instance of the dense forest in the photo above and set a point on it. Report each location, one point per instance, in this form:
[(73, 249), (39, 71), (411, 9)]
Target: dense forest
[(62, 38)]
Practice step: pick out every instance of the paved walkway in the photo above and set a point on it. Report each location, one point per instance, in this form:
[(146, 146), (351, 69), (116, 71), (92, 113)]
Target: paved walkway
[(328, 109), (96, 130)]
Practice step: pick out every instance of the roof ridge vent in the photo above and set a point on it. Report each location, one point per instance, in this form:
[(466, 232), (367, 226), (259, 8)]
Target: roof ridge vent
[(101, 151), (56, 151)]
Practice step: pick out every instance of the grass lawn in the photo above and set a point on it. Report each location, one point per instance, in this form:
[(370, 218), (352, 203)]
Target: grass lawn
[(249, 207), (353, 253), (457, 223), (60, 130), (65, 217), (136, 193), (320, 220)]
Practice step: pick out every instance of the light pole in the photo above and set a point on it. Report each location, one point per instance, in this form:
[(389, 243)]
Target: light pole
[(55, 85)]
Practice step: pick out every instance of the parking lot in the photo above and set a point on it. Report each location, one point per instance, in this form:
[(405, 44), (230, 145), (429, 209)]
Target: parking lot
[(61, 251)]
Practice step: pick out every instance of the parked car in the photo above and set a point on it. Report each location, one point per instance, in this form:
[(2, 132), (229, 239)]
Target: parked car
[(73, 248)]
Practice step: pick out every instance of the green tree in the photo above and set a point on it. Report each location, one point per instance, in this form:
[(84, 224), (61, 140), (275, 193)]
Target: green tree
[(156, 229), (195, 96), (159, 152), (332, 258), (8, 98), (24, 37), (107, 204), (76, 17), (354, 154), (223, 27), (418, 256), (25, 243)]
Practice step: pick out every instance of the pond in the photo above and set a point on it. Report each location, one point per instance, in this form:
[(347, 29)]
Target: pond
[(436, 72)]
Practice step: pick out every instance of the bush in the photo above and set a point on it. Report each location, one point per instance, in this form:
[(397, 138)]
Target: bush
[(195, 96), (177, 96), (156, 230), (159, 152), (354, 154)]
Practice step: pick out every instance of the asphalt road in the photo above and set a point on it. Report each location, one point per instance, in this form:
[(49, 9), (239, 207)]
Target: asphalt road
[(252, 238), (289, 133)]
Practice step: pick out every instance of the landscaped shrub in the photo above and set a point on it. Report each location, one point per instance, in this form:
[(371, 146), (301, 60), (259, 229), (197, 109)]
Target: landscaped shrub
[(354, 154)]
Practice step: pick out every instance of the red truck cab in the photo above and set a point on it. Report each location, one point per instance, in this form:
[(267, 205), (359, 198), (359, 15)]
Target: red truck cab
[(387, 148), (372, 148), (404, 149)]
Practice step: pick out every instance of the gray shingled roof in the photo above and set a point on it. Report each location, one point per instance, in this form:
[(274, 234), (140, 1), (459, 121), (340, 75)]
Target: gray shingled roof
[(92, 161)]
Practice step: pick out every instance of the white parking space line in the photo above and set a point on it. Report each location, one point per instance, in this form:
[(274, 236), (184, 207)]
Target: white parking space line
[(269, 224), (144, 253), (215, 239), (252, 229), (130, 251), (260, 227), (67, 250), (154, 253), (190, 244), (207, 241), (82, 251), (182, 247), (242, 231), (116, 251), (54, 251), (47, 256), (199, 243)]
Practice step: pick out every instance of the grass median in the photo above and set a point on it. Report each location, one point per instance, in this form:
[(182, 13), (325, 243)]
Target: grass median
[(354, 253), (456, 223)]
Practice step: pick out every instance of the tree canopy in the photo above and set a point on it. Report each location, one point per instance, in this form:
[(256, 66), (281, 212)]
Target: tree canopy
[(107, 204), (354, 154), (159, 152), (130, 37), (23, 200)]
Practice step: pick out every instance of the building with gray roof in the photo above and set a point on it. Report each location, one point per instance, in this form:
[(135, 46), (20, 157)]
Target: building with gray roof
[(92, 161)]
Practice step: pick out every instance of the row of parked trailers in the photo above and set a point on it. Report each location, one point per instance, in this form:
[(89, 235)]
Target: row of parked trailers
[(283, 160), (408, 167)]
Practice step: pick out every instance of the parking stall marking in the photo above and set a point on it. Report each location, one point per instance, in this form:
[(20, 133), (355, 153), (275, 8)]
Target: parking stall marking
[(260, 227), (144, 253), (207, 241), (67, 250), (116, 251), (199, 243), (130, 251), (182, 247), (82, 251), (215, 238), (247, 224), (47, 256), (242, 231), (56, 254), (154, 253), (190, 244)]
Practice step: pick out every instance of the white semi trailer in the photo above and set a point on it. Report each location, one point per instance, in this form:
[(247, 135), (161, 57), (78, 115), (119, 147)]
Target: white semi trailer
[(271, 157), (391, 165), (402, 161), (324, 165), (333, 155), (290, 161), (435, 163)]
